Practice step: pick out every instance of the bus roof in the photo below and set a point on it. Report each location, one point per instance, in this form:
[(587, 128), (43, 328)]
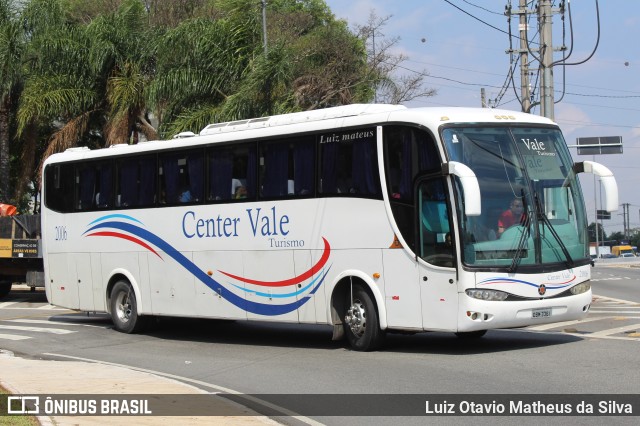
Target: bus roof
[(315, 120)]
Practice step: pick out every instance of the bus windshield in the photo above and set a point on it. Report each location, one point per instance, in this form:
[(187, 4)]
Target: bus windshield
[(532, 207)]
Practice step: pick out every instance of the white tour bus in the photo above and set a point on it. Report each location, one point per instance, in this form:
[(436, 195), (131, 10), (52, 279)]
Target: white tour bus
[(369, 218)]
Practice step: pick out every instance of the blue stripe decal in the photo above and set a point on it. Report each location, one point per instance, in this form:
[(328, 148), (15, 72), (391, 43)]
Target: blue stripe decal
[(283, 295), (246, 305), (502, 280), (115, 216)]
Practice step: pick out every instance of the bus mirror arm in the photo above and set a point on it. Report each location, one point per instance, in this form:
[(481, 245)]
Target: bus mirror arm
[(607, 179), (470, 186)]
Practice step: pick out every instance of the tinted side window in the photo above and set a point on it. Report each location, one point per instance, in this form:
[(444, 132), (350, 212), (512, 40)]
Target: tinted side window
[(287, 168), (59, 187), (232, 172), (181, 177), (94, 185), (136, 181), (349, 163), (408, 153)]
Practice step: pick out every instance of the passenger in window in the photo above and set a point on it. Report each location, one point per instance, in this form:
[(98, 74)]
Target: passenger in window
[(241, 192), (235, 185), (513, 216), (447, 240), (185, 195)]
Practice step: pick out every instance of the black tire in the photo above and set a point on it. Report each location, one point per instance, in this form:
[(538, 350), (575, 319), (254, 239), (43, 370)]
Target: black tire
[(471, 335), (5, 288), (124, 309), (361, 324)]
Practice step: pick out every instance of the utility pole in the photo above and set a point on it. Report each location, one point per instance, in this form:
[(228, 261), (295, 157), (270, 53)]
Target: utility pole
[(543, 54), (625, 220), (546, 59), (525, 89), (483, 98)]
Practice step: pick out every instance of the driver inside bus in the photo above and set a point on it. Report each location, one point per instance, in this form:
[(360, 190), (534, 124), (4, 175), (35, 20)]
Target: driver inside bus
[(513, 216)]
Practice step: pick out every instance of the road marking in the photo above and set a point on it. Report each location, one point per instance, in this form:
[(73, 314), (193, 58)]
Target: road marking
[(616, 330), (611, 299), (562, 324), (5, 304), (586, 336), (50, 307), (48, 322), (13, 337), (616, 306), (45, 307), (36, 329)]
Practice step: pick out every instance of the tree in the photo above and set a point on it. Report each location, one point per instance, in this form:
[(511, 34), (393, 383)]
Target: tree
[(313, 61), (617, 236), (12, 45), (390, 84), (189, 88), (592, 232), (93, 73), (90, 79)]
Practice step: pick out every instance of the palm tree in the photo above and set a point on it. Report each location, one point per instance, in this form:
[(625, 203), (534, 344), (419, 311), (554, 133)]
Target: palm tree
[(189, 88), (12, 45), (313, 61), (89, 79)]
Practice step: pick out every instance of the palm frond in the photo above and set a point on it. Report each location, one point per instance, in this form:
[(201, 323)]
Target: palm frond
[(67, 136), (53, 97)]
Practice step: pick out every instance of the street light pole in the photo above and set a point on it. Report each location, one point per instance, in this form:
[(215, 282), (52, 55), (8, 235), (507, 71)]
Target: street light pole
[(264, 26)]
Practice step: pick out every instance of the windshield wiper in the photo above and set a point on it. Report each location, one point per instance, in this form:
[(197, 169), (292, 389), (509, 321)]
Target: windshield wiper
[(524, 236), (546, 221)]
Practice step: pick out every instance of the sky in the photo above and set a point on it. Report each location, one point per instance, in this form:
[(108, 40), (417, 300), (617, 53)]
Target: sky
[(462, 45)]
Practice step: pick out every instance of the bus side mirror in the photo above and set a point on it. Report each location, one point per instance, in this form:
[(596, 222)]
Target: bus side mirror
[(607, 179), (470, 186)]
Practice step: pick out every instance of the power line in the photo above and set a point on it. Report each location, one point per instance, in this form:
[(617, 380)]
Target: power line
[(604, 96), (453, 68), (585, 123), (478, 19), (483, 8), (424, 74)]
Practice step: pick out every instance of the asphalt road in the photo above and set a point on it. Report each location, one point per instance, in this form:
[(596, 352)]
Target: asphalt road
[(598, 355)]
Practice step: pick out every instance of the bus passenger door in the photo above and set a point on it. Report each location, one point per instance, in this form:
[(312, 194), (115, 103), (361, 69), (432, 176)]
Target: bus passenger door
[(436, 256)]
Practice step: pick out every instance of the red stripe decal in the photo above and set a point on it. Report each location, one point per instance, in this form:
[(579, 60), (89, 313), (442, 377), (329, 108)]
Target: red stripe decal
[(295, 280), (124, 237)]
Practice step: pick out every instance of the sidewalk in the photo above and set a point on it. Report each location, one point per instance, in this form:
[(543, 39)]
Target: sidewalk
[(31, 377)]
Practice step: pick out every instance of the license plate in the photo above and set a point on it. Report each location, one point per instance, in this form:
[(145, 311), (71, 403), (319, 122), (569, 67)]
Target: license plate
[(541, 313)]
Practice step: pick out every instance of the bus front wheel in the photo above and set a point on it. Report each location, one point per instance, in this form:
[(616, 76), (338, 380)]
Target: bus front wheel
[(124, 309), (361, 324)]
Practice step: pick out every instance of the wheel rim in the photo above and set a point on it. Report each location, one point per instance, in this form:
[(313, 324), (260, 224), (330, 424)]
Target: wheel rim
[(356, 318), (123, 306)]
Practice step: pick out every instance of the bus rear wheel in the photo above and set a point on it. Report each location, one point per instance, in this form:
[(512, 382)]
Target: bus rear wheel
[(124, 309), (361, 324)]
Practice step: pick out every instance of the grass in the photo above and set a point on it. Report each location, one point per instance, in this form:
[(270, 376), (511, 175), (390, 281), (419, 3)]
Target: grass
[(15, 420)]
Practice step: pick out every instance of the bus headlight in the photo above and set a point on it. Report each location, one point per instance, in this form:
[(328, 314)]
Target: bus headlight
[(492, 295), (581, 288)]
